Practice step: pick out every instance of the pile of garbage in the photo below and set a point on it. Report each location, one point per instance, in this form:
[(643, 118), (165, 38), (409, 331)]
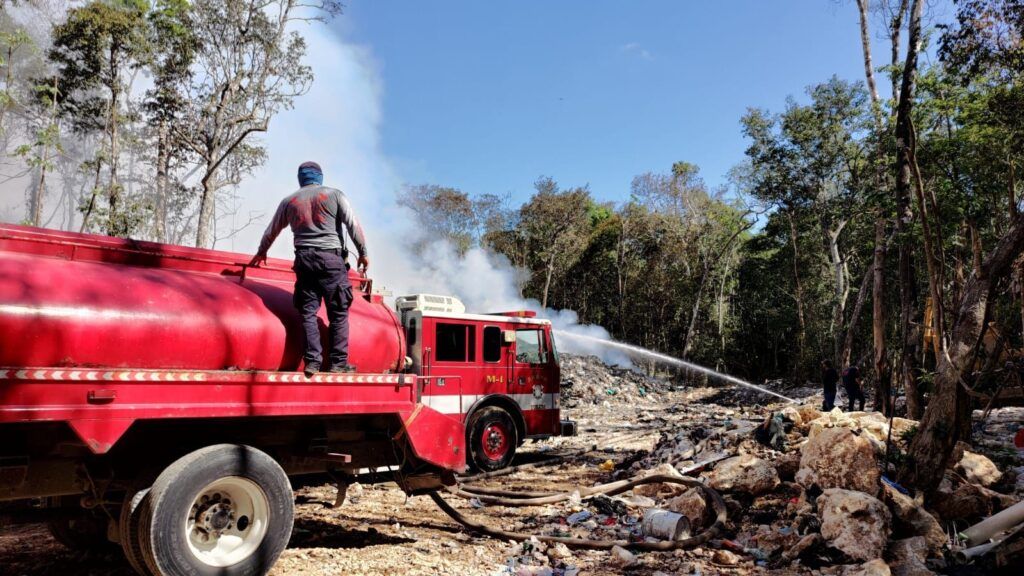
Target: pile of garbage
[(588, 380), (807, 491), (812, 490)]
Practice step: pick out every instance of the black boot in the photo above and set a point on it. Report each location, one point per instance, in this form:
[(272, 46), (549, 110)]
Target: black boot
[(311, 369), (343, 369)]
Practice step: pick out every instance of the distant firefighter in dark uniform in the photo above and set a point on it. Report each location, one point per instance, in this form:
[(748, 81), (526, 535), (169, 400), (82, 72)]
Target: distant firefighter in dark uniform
[(317, 215)]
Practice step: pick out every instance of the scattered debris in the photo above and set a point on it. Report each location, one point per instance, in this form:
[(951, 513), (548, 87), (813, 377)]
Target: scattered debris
[(623, 557)]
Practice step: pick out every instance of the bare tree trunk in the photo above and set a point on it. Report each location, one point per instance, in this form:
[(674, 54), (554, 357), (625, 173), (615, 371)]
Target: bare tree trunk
[(39, 193), (8, 80), (692, 326), (207, 212), (621, 277), (869, 71), (883, 388), (846, 354), (801, 338), (721, 309), (162, 160), (115, 221), (908, 305), (895, 31), (547, 281), (929, 452), (932, 263), (840, 288), (92, 197)]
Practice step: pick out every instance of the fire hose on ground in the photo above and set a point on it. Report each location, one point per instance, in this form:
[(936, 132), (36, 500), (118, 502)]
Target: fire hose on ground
[(507, 498)]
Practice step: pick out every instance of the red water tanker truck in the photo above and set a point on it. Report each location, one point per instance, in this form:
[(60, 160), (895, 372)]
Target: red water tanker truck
[(152, 396)]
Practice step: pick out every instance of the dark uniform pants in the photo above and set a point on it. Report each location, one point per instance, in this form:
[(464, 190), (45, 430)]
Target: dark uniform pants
[(830, 399), (855, 394), (322, 275)]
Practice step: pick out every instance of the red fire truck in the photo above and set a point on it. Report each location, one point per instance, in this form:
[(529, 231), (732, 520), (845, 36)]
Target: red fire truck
[(152, 396)]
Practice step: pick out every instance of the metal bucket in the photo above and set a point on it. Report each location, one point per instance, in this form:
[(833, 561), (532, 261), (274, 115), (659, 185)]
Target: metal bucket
[(665, 525)]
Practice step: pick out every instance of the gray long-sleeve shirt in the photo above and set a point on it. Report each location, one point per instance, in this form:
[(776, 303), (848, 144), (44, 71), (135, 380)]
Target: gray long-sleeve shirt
[(317, 215)]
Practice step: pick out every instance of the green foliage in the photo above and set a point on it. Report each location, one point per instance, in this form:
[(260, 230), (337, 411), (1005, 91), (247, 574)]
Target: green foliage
[(92, 50)]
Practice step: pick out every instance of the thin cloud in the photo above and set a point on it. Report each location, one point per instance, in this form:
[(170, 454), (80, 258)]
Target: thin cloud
[(635, 49)]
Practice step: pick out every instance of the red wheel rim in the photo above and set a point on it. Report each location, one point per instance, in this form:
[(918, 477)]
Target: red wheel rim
[(495, 441)]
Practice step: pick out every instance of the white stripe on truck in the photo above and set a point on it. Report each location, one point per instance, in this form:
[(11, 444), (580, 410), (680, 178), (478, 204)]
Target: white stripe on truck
[(450, 403)]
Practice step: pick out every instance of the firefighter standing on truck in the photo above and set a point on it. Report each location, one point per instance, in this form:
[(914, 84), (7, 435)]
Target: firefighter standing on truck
[(316, 214)]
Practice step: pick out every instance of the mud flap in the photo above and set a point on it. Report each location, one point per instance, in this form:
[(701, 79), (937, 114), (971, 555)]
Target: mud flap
[(434, 437)]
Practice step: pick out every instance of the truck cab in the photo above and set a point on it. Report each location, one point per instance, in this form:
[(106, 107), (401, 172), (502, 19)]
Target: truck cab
[(498, 373)]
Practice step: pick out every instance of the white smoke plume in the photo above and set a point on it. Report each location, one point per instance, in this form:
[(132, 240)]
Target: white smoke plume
[(338, 125)]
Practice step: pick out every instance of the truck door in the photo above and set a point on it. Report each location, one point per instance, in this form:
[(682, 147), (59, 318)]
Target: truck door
[(496, 368), (531, 387), (449, 351)]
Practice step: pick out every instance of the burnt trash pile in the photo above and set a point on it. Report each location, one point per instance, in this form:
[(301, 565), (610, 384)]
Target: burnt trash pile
[(811, 492), (588, 380), (808, 492)]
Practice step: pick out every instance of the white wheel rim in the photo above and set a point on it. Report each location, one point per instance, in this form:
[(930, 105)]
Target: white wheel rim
[(227, 521)]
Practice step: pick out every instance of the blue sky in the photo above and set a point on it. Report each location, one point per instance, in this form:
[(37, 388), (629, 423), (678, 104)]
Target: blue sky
[(486, 96)]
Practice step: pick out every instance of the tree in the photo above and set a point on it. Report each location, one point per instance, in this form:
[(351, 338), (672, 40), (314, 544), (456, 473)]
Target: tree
[(38, 153), (554, 223), (447, 213), (977, 51), (13, 39), (810, 161), (94, 52), (250, 68), (174, 42), (908, 369)]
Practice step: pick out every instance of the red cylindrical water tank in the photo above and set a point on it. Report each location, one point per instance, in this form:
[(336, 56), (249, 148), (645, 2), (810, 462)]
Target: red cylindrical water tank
[(83, 300)]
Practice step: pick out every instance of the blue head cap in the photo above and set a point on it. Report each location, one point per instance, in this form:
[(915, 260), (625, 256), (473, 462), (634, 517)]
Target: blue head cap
[(310, 173)]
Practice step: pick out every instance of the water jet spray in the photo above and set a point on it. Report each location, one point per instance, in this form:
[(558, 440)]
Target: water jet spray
[(671, 360)]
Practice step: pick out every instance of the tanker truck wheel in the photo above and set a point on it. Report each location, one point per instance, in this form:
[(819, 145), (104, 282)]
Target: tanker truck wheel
[(222, 510), (81, 530), (492, 439), (133, 509)]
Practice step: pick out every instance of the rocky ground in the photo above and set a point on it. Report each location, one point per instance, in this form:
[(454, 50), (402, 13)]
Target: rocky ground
[(811, 504)]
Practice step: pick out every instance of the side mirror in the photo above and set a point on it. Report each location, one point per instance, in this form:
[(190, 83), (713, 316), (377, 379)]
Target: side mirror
[(508, 337)]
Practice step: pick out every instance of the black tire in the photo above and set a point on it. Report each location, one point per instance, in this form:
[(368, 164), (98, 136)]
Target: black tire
[(85, 531), (129, 528), (165, 543), (491, 420)]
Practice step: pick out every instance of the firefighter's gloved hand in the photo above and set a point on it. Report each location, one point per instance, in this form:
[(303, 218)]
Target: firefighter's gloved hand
[(363, 263), (257, 260)]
